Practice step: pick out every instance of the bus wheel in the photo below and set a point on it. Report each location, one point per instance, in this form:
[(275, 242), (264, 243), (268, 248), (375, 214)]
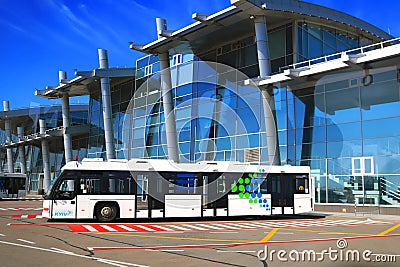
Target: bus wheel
[(106, 212)]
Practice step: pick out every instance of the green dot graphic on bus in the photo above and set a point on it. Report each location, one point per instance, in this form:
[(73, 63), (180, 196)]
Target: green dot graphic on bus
[(250, 188)]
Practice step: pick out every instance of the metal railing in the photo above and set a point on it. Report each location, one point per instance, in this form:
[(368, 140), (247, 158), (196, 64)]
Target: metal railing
[(390, 189), (354, 51)]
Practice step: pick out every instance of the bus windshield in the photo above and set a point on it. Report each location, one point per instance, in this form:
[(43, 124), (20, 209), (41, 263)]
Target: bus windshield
[(47, 194)]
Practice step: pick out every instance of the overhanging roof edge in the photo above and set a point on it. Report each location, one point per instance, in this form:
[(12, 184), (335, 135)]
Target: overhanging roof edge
[(317, 11), (149, 48)]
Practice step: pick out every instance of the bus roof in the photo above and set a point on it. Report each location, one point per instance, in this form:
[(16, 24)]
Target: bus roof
[(160, 165)]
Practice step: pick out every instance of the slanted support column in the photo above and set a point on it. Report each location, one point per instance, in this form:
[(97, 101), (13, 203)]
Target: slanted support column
[(166, 86), (45, 156), (106, 101), (66, 124), (21, 150), (264, 64), (7, 126)]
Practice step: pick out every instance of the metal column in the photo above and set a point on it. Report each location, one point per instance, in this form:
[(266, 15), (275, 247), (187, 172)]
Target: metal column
[(21, 150), (66, 125), (166, 90), (7, 126), (264, 64), (106, 102), (22, 156), (45, 156)]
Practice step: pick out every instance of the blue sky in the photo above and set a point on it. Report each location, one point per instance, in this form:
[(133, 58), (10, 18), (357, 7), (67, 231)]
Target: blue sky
[(40, 37)]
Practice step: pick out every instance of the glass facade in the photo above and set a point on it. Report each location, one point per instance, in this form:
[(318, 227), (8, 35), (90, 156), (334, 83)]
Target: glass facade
[(33, 152), (347, 130), (337, 124), (216, 117), (315, 41), (121, 94)]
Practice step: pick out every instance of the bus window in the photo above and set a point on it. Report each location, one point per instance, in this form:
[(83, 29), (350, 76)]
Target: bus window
[(221, 184), (276, 183), (90, 186), (66, 189), (183, 182), (143, 185), (120, 183), (301, 185), (264, 187)]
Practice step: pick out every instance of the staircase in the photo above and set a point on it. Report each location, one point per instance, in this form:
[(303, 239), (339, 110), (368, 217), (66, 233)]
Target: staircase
[(390, 191)]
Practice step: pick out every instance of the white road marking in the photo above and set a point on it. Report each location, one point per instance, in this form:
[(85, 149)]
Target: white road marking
[(61, 250), (261, 224), (281, 233), (111, 263), (179, 227), (126, 228), (108, 228), (89, 228), (238, 251), (73, 254), (195, 227), (230, 226), (212, 226), (19, 209), (26, 241), (171, 250), (246, 225), (332, 233), (230, 232), (2, 235), (171, 232), (161, 227), (145, 228)]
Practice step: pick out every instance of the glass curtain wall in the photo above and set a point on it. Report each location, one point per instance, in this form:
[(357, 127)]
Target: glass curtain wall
[(121, 94), (337, 125), (315, 41), (348, 131)]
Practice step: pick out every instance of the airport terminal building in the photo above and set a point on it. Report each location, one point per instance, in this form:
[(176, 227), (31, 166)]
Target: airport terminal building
[(263, 81), (21, 144)]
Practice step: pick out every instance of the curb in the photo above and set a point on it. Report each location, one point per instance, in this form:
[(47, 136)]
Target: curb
[(21, 199)]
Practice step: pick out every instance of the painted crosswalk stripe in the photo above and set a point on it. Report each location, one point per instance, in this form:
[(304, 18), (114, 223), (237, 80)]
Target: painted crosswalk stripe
[(261, 224), (145, 228), (108, 228), (89, 228), (197, 227), (230, 226), (213, 226), (127, 228), (161, 227), (247, 225), (179, 227)]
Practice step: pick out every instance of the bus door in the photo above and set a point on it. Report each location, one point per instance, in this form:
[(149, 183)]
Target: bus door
[(282, 190), (142, 199), (64, 200), (156, 190), (184, 195), (208, 209)]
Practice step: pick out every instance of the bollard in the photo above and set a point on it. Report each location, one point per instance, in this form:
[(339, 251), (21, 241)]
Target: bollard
[(355, 206)]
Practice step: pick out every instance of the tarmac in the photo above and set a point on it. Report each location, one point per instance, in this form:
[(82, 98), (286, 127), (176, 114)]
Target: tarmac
[(358, 215)]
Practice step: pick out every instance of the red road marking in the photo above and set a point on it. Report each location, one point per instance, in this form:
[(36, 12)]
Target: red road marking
[(241, 244), (78, 228), (141, 227)]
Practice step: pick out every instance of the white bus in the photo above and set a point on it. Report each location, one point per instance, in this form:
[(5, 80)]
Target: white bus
[(146, 188)]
